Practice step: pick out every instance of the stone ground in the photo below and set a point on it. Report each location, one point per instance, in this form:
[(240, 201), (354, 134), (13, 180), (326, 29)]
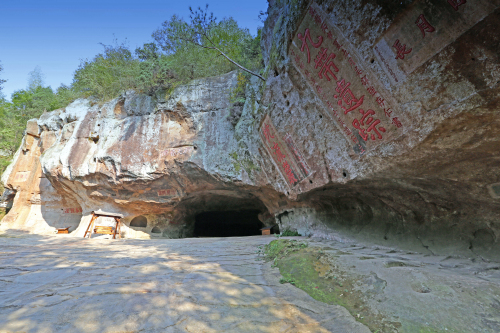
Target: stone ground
[(66, 284)]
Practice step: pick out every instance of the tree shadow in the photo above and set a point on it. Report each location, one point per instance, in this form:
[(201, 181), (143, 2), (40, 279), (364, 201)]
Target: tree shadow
[(67, 284)]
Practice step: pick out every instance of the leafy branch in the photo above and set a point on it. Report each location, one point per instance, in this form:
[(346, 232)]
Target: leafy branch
[(200, 33)]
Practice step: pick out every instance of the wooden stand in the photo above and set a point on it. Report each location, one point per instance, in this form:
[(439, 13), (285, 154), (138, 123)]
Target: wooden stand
[(103, 229), (266, 230), (63, 230)]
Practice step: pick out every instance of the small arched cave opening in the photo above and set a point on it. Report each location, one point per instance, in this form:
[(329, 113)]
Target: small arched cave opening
[(139, 222), (231, 223)]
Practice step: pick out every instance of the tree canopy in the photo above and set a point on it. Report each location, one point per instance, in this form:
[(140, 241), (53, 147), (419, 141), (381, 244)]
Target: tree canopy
[(181, 50)]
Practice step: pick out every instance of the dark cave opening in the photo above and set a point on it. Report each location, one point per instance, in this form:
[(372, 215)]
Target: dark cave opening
[(227, 223)]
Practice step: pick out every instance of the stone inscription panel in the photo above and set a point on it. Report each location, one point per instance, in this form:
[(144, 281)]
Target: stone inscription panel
[(423, 30), (21, 176), (364, 111), (176, 152), (167, 193), (75, 210), (290, 163)]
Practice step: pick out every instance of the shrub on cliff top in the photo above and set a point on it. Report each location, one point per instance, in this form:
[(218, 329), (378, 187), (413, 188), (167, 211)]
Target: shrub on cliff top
[(179, 54)]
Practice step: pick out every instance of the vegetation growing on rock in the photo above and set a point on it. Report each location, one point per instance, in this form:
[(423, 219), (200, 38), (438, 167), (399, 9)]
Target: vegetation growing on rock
[(156, 67)]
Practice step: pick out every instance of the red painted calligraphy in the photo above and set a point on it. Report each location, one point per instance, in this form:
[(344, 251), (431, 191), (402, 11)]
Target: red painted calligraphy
[(289, 173), (371, 90), (380, 102), (324, 27), (325, 61), (277, 151), (304, 38), (72, 210), (366, 120), (336, 44), (267, 133), (396, 122), (457, 3), (401, 49), (364, 80), (346, 95), (424, 25), (167, 192)]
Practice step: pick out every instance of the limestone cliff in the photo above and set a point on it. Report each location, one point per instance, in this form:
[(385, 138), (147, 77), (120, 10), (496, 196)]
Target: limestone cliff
[(376, 121)]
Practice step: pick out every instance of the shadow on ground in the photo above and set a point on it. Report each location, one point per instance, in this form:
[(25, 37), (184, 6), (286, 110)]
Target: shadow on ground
[(66, 284)]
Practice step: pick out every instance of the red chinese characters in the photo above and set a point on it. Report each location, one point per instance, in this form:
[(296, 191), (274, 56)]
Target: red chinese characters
[(424, 25), (304, 38), (167, 192), (401, 49), (277, 151), (267, 133), (325, 62), (280, 154), (76, 210), (457, 3), (345, 95), (289, 173), (396, 122), (367, 120)]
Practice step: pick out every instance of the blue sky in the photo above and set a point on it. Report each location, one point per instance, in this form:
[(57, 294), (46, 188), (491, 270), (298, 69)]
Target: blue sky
[(56, 34)]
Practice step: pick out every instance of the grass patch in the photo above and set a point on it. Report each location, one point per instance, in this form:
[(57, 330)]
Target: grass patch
[(3, 212), (288, 232), (312, 270)]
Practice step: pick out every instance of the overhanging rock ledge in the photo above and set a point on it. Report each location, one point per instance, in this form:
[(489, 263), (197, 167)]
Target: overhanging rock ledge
[(345, 139)]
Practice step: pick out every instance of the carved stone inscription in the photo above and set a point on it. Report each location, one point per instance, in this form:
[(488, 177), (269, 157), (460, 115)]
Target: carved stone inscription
[(75, 210), (362, 108), (21, 176), (423, 30), (289, 161), (167, 192), (176, 151)]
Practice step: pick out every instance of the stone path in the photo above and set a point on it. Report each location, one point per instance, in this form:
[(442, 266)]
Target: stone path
[(65, 284)]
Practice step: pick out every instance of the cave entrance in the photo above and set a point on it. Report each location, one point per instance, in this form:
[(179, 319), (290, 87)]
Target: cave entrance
[(227, 223)]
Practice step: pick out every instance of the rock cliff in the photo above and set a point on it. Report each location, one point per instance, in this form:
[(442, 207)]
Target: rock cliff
[(376, 121)]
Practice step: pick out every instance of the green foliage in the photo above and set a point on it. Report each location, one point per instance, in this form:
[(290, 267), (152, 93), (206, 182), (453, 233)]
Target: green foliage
[(181, 51), (1, 81), (289, 232), (237, 94), (282, 247), (108, 74), (170, 60), (287, 280), (27, 104)]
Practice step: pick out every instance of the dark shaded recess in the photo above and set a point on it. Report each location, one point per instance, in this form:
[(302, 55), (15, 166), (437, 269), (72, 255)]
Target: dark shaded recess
[(139, 221), (156, 230), (227, 224)]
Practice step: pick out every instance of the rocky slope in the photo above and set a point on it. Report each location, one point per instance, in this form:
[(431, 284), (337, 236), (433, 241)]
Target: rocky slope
[(376, 121)]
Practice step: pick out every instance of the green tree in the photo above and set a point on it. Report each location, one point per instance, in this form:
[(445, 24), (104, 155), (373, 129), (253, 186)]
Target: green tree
[(108, 74), (205, 46), (1, 82)]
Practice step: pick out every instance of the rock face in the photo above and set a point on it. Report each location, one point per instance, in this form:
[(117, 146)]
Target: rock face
[(376, 121)]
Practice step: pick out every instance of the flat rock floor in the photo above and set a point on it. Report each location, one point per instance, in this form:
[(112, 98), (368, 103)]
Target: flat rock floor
[(66, 284)]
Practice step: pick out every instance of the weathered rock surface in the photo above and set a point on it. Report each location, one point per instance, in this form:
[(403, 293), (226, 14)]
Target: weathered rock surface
[(302, 152), (200, 285)]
